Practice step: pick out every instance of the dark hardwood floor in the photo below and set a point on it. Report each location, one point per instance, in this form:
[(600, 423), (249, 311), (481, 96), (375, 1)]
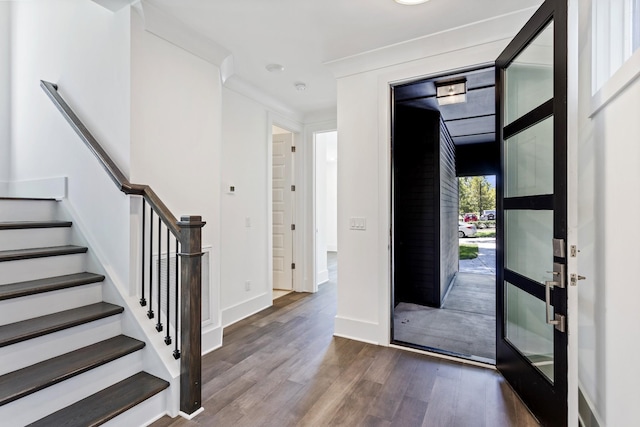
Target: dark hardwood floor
[(283, 367)]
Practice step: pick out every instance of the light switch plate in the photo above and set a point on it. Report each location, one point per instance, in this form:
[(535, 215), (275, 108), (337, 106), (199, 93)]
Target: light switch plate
[(357, 223)]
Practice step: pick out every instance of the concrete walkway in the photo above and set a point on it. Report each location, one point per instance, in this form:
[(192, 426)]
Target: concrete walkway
[(485, 263)]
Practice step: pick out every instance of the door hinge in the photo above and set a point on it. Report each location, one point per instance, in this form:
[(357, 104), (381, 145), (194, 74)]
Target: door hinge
[(293, 188), (293, 227), (293, 148), (293, 265)]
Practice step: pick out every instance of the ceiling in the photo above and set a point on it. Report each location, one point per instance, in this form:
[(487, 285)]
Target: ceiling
[(469, 122), (303, 35)]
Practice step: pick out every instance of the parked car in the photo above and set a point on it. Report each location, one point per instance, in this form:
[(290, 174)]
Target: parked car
[(488, 215), (466, 230), (468, 217)]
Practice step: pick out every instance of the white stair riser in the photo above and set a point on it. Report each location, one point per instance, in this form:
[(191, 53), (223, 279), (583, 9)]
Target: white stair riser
[(18, 309), (44, 402), (40, 268), (28, 210), (34, 238), (30, 352), (142, 414)]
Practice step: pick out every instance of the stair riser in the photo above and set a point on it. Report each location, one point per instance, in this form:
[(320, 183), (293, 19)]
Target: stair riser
[(142, 414), (38, 405), (18, 309), (27, 353), (28, 210), (40, 268), (34, 238)]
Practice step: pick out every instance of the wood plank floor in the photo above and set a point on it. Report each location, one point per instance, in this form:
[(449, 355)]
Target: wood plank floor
[(283, 367)]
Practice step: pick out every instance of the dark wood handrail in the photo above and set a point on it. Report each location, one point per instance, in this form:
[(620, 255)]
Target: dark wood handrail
[(116, 175), (188, 232)]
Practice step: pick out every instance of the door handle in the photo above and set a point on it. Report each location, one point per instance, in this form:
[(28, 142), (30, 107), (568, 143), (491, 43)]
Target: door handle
[(558, 319)]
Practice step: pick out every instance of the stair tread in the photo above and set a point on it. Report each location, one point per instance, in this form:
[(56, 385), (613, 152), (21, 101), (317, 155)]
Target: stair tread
[(21, 225), (50, 199), (31, 379), (31, 287), (17, 254), (106, 404), (32, 328)]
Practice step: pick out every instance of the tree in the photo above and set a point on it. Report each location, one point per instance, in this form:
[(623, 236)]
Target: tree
[(476, 194)]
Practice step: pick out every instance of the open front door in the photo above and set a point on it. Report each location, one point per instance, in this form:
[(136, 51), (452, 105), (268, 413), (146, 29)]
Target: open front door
[(531, 93)]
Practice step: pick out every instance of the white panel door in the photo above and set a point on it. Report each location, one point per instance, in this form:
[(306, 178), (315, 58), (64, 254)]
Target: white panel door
[(282, 212)]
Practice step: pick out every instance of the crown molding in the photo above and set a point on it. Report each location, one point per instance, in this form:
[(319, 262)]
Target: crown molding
[(477, 33), (114, 5), (167, 27)]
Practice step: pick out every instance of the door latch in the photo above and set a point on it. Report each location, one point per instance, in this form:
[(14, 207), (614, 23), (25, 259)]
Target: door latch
[(574, 279)]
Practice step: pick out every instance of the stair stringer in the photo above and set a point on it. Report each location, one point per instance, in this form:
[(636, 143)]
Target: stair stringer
[(157, 357)]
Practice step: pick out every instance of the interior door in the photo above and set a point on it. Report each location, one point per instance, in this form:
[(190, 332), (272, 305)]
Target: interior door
[(282, 212), (531, 94)]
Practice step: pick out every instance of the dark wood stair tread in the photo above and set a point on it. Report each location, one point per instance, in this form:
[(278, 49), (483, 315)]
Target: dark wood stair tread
[(101, 407), (22, 225), (36, 199), (31, 287), (31, 379), (32, 328), (17, 254)]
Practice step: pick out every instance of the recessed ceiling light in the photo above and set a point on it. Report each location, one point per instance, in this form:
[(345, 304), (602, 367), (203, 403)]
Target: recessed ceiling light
[(300, 86), (411, 2), (274, 68)]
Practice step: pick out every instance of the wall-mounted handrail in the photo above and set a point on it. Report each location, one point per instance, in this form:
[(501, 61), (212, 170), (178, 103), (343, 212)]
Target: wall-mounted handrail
[(188, 233)]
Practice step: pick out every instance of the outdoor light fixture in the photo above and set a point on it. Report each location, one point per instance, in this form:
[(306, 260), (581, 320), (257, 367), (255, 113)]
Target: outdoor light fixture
[(411, 2), (452, 92)]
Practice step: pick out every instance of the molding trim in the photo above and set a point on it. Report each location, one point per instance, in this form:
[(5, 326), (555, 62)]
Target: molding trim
[(359, 330), (246, 308), (211, 339), (587, 413), (476, 33), (167, 27), (322, 277)]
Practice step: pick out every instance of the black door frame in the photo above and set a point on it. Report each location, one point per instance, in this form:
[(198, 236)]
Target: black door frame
[(547, 401)]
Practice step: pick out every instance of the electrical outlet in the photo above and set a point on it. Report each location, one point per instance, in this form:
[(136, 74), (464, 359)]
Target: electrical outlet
[(247, 285)]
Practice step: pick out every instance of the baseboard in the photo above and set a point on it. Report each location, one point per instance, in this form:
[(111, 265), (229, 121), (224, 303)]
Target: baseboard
[(47, 188), (322, 277), (211, 339), (332, 248), (245, 309), (358, 330)]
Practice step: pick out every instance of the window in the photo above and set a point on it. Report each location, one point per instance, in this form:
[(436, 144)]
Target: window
[(616, 36)]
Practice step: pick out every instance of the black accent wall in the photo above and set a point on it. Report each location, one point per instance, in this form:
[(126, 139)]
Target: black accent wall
[(478, 159), (449, 201), (418, 194)]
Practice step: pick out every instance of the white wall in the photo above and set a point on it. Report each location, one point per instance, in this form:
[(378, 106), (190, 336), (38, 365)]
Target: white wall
[(176, 101), (245, 150), (609, 177), (332, 191), (85, 49), (364, 175), (5, 91)]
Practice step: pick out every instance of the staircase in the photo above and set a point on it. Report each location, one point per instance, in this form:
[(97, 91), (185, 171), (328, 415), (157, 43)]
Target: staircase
[(63, 358)]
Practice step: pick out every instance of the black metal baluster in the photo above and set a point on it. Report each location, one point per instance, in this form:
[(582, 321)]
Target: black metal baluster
[(167, 339), (176, 352), (150, 311), (143, 301), (159, 324)]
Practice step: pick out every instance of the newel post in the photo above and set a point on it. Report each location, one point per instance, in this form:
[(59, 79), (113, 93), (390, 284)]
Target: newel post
[(191, 316)]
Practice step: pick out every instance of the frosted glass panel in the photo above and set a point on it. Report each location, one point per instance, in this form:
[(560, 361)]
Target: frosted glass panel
[(527, 329), (528, 161), (529, 78), (528, 242)]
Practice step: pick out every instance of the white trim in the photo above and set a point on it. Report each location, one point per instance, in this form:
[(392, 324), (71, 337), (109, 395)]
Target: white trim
[(357, 330), (591, 405), (114, 5), (211, 338), (193, 415), (322, 277), (621, 80), (247, 308)]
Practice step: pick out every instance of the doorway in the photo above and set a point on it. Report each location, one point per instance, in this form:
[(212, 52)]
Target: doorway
[(326, 205), (438, 148), (283, 214)]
